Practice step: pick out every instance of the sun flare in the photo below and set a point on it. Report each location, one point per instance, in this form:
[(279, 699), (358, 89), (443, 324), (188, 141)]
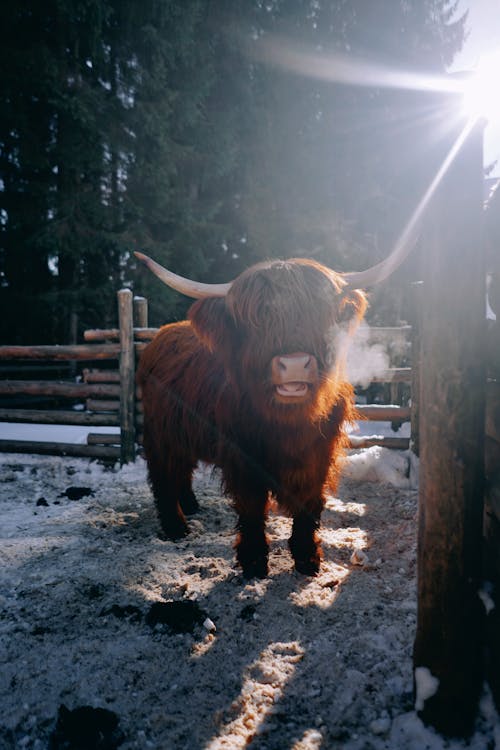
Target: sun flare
[(480, 93)]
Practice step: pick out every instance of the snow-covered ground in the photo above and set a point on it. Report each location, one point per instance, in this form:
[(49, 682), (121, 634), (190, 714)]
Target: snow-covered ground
[(287, 663)]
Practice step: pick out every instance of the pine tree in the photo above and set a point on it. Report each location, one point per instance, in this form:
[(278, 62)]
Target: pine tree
[(157, 126)]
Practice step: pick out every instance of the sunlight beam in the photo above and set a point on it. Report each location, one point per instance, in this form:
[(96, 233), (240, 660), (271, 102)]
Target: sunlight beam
[(344, 69), (477, 88), (480, 97), (263, 687)]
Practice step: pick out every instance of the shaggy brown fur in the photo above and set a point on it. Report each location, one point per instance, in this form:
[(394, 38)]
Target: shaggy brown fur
[(208, 395)]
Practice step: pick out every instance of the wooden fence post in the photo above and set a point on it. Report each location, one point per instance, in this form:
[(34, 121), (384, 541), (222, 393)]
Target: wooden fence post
[(416, 303), (140, 312), (127, 376), (448, 648)]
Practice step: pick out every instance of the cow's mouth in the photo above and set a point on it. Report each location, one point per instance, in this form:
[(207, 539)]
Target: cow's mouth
[(296, 389)]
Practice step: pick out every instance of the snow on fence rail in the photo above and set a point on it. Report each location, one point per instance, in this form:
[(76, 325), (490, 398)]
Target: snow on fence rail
[(110, 396)]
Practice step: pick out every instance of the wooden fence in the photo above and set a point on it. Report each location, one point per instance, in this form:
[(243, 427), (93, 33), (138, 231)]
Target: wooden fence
[(106, 386)]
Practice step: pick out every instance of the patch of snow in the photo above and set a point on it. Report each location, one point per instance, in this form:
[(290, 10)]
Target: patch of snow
[(485, 595), (382, 465), (51, 433), (372, 428), (426, 685)]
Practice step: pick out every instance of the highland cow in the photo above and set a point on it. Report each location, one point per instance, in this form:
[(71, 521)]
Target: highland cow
[(253, 383)]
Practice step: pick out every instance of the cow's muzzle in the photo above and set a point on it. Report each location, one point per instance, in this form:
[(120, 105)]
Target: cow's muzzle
[(294, 374)]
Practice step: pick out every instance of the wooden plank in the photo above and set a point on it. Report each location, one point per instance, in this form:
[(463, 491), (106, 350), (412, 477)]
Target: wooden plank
[(60, 449), (54, 416), (40, 368), (449, 641), (140, 312), (101, 438), (145, 334), (101, 376), (96, 404), (57, 388), (394, 443), (127, 376), (75, 352), (384, 412), (113, 334), (101, 334)]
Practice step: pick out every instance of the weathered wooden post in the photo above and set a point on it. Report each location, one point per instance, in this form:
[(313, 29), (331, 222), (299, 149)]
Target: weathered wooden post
[(140, 312), (492, 448), (416, 304), (449, 639), (127, 376)]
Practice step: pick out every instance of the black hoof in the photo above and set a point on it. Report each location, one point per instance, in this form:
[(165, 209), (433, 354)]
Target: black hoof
[(174, 531), (255, 569), (189, 504), (307, 567)]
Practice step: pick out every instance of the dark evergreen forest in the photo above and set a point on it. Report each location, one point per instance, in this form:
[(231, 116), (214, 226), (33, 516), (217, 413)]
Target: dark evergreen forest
[(159, 125)]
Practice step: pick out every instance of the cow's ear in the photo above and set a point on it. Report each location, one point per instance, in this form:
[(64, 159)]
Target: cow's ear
[(352, 307), (210, 322)]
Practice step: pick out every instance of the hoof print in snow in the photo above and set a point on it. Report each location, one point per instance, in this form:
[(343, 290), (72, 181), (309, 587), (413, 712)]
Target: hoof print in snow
[(126, 612), (76, 493), (86, 728), (42, 503), (180, 617)]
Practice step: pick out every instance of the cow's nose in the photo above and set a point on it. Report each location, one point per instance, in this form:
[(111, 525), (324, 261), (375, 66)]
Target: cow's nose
[(294, 362)]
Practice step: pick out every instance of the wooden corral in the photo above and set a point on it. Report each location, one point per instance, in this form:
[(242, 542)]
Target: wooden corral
[(106, 387)]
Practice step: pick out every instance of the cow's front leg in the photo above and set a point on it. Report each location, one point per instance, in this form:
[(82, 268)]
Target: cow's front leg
[(304, 542), (251, 544)]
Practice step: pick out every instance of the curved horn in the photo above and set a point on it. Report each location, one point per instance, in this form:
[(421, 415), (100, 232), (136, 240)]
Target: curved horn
[(193, 289), (386, 267)]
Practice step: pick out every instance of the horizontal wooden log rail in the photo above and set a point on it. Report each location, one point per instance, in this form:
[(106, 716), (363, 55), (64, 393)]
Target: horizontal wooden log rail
[(63, 352), (101, 376), (60, 449), (54, 416), (113, 334), (384, 413), (108, 446), (101, 438), (112, 406), (57, 388), (96, 404), (101, 334), (40, 368)]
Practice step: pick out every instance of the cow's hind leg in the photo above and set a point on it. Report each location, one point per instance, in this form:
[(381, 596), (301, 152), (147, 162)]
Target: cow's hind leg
[(189, 503), (171, 486), (304, 543), (251, 544)]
